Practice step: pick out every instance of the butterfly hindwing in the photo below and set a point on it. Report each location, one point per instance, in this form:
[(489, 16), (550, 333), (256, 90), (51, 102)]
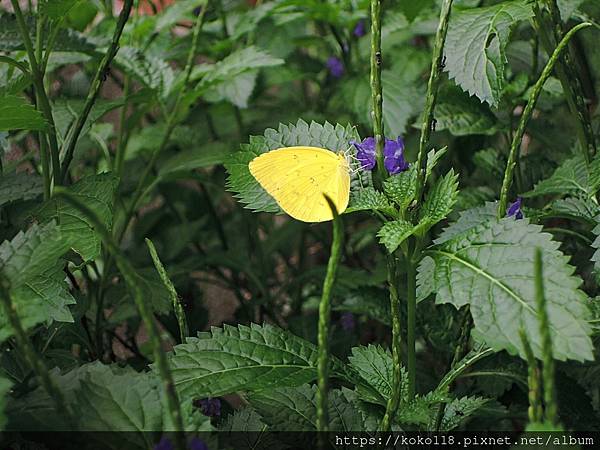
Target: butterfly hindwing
[(297, 178)]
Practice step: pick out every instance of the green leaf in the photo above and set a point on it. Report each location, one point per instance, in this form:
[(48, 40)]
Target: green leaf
[(418, 411), (490, 267), (568, 7), (153, 72), (578, 208), (66, 112), (244, 185), (462, 115), (31, 263), (56, 9), (459, 410), (294, 409), (571, 177), (236, 90), (97, 192), (372, 302), (596, 256), (5, 386), (393, 233), (375, 366), (210, 154), (400, 188), (439, 202), (252, 358), (19, 186), (368, 199), (476, 43), (16, 113)]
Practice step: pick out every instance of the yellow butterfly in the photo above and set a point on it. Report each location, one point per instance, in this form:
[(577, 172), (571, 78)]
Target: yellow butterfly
[(299, 177)]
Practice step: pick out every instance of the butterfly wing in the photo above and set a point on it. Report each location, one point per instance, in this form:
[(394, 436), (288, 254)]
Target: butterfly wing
[(299, 177)]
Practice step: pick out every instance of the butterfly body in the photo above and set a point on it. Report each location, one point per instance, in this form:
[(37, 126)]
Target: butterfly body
[(298, 178)]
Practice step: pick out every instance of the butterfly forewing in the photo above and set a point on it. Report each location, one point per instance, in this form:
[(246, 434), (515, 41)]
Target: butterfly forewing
[(298, 177)]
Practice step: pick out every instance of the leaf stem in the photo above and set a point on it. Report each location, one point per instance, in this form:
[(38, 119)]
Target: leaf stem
[(548, 360), (34, 360), (324, 321), (411, 319), (376, 88), (177, 307), (527, 112), (99, 77), (38, 82), (394, 401), (132, 280), (431, 98)]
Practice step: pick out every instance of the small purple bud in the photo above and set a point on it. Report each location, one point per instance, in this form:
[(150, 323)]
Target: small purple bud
[(514, 210), (347, 321), (197, 444), (393, 153), (164, 444), (365, 152), (210, 407), (360, 28), (335, 67)]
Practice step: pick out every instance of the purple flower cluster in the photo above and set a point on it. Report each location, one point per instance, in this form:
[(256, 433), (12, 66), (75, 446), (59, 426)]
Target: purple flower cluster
[(514, 209), (393, 154), (335, 67), (210, 407), (360, 29)]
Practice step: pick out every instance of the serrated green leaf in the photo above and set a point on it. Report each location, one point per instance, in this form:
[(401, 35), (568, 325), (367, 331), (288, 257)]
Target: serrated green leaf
[(372, 302), (459, 410), (568, 7), (31, 263), (439, 202), (153, 72), (462, 115), (476, 43), (236, 90), (16, 113), (490, 161), (394, 233), (596, 244), (571, 177), (244, 185), (490, 267), (419, 410), (400, 188), (368, 199), (19, 186), (245, 358), (97, 192), (66, 112), (579, 208)]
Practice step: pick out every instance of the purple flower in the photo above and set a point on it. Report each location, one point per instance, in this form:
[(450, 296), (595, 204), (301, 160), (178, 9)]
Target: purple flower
[(360, 28), (365, 153), (164, 444), (347, 321), (210, 407), (197, 444), (335, 66), (514, 210), (393, 153)]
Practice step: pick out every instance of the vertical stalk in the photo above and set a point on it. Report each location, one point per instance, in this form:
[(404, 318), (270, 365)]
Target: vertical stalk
[(376, 89), (534, 411), (548, 360), (411, 319), (96, 84), (394, 401), (324, 321), (432, 91), (36, 363), (44, 159), (177, 307), (132, 280), (527, 112)]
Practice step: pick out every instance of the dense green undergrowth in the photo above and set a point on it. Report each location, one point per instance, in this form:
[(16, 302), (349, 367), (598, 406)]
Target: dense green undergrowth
[(150, 284)]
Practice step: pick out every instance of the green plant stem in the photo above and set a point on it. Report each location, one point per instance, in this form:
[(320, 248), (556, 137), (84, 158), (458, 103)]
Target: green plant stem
[(471, 358), (534, 411), (376, 88), (571, 83), (132, 280), (411, 319), (324, 321), (44, 160), (394, 401), (177, 307), (527, 112), (431, 98), (37, 77), (36, 363), (99, 77), (548, 360), (171, 120)]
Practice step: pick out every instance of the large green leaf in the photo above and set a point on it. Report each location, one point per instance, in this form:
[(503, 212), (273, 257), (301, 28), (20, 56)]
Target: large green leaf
[(490, 267), (571, 177), (16, 113), (252, 358), (245, 186), (31, 263), (19, 186), (56, 9), (476, 43), (97, 192), (462, 115)]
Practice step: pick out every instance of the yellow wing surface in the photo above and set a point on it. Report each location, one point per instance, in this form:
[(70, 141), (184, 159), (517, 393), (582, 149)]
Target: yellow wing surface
[(299, 177)]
